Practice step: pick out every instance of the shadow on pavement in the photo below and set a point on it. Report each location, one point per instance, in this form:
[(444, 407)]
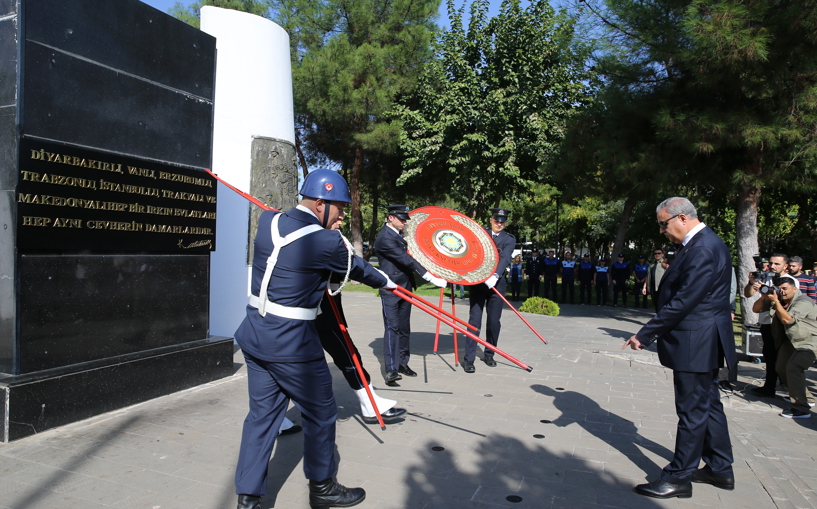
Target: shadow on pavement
[(616, 431)]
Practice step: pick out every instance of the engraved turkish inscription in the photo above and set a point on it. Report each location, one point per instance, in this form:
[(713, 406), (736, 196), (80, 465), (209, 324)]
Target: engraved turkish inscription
[(72, 199)]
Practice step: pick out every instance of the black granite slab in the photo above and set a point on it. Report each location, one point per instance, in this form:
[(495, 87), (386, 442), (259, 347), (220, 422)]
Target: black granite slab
[(76, 101), (8, 61), (7, 7), (128, 36), (78, 308), (41, 403)]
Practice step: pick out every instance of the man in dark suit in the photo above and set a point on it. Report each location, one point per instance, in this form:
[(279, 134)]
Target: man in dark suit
[(392, 253), (693, 328), (482, 296)]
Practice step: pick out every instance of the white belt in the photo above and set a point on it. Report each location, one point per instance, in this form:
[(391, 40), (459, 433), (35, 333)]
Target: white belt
[(285, 311)]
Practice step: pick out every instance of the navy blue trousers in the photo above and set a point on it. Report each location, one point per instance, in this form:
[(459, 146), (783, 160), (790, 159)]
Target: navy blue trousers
[(481, 297), (397, 333), (271, 386), (702, 429)]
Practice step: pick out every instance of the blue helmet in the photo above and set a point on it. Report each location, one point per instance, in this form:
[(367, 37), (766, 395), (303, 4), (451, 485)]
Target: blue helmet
[(326, 185)]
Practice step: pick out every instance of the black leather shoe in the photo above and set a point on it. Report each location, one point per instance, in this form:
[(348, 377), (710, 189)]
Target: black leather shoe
[(392, 376), (489, 361), (468, 367), (290, 431), (664, 489), (249, 502), (391, 413), (704, 475), (406, 370), (328, 493)]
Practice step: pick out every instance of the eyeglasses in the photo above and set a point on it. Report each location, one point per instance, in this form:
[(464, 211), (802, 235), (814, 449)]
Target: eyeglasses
[(659, 253), (664, 224)]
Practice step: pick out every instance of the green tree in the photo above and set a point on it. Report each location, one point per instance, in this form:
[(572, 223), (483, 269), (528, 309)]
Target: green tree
[(491, 108), (352, 61), (736, 82)]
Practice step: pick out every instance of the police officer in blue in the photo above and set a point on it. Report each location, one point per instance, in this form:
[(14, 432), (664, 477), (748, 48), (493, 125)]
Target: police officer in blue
[(586, 271), (294, 253), (482, 295), (568, 276), (621, 274), (550, 268), (601, 279), (640, 272), (391, 250)]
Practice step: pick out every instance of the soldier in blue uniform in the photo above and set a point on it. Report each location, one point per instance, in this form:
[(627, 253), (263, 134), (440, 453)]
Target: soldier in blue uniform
[(391, 250), (621, 274), (640, 272), (294, 252), (586, 272), (550, 268), (568, 276), (482, 296)]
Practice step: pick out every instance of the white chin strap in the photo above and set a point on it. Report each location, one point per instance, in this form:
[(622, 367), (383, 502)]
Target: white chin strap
[(366, 409)]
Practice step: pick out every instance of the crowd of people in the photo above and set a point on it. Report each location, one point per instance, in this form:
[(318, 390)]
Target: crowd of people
[(639, 279)]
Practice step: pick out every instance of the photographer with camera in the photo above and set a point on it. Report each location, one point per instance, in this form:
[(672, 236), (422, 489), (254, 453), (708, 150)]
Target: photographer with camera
[(794, 327), (762, 281)]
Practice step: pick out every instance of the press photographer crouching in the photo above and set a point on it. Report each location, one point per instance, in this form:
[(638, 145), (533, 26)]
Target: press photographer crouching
[(761, 279), (794, 329)]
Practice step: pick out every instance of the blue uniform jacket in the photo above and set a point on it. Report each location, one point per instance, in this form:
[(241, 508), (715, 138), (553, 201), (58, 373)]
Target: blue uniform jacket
[(391, 249), (694, 324), (298, 280)]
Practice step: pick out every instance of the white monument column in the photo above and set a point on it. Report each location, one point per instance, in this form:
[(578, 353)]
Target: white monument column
[(253, 99)]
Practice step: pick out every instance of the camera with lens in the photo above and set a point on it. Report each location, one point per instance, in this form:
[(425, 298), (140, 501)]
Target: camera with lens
[(768, 280)]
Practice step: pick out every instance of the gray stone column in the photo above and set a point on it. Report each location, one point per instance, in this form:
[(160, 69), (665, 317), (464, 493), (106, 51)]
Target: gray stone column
[(273, 178)]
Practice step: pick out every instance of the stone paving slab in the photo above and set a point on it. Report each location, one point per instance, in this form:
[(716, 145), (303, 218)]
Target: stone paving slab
[(610, 424)]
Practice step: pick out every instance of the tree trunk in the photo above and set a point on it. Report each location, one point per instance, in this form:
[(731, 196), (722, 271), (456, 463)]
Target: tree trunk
[(300, 153), (375, 228), (746, 238), (354, 190), (621, 235)]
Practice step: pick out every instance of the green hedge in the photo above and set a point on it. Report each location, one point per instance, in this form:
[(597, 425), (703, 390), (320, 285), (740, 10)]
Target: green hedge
[(540, 306)]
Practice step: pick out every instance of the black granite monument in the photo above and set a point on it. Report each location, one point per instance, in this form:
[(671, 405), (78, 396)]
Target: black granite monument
[(107, 218)]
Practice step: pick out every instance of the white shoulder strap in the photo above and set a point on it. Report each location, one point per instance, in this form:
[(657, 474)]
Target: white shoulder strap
[(279, 242)]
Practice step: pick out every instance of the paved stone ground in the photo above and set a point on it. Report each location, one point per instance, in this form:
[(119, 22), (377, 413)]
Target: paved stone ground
[(609, 424)]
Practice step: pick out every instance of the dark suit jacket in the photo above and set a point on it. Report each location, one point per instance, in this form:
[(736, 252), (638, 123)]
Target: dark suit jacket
[(392, 254), (693, 325), (505, 242)]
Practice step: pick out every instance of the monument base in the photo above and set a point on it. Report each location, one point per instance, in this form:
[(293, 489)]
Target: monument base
[(39, 401)]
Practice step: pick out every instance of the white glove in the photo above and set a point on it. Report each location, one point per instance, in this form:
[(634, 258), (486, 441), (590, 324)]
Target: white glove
[(434, 280), (491, 281), (390, 285)]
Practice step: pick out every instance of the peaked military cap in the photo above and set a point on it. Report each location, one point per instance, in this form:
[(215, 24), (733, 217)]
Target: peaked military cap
[(500, 215), (401, 211)]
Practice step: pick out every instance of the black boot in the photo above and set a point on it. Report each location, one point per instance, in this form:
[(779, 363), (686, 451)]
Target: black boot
[(328, 493), (249, 502)]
